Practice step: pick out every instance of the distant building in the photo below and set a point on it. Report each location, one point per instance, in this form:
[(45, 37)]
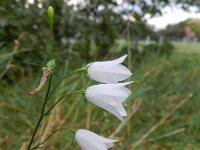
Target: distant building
[(189, 34), (188, 30)]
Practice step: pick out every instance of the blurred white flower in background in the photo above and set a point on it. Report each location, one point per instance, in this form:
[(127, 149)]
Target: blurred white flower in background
[(91, 141), (109, 71), (109, 97)]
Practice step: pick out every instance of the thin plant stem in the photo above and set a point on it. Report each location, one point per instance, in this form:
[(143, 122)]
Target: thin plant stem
[(41, 115), (134, 109), (50, 135), (60, 99), (64, 77), (52, 42), (166, 135)]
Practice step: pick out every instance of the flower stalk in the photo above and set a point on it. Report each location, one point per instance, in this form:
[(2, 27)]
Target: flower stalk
[(83, 69), (60, 99), (41, 115)]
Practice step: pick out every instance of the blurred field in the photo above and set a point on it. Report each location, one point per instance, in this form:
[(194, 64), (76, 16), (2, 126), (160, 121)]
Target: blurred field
[(187, 47), (157, 119)]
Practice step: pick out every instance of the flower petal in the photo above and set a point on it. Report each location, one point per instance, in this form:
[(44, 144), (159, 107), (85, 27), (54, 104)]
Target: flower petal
[(119, 107), (109, 94), (117, 110), (109, 71), (109, 74), (119, 60), (109, 86), (83, 141), (91, 141), (95, 136), (101, 74), (106, 104), (120, 72), (110, 62), (109, 97)]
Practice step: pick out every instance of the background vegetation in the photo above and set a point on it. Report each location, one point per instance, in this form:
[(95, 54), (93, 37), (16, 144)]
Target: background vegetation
[(163, 109), (176, 31)]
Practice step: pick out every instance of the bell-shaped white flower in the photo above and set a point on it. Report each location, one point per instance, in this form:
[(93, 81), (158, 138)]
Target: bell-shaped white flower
[(109, 97), (91, 141), (109, 71)]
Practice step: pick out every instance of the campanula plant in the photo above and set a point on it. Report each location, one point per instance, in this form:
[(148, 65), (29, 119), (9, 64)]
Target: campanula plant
[(109, 95)]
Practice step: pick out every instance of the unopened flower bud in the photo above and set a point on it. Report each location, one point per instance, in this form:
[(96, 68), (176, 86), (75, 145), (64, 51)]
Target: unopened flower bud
[(51, 64), (51, 14)]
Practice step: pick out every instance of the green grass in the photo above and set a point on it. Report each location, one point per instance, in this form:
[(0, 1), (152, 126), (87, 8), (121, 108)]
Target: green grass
[(187, 47), (160, 84)]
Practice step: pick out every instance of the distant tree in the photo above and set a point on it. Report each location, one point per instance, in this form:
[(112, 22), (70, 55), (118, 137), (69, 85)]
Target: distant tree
[(188, 28), (88, 30)]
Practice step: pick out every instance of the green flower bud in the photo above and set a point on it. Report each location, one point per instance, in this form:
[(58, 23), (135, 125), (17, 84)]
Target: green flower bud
[(51, 14), (51, 64)]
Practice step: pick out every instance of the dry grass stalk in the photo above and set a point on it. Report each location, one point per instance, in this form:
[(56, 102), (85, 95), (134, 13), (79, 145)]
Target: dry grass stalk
[(134, 108), (165, 135), (152, 129)]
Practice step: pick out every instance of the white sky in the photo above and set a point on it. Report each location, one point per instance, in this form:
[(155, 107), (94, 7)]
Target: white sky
[(171, 16)]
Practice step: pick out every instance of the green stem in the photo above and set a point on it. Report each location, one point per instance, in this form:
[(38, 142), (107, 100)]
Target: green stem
[(52, 43), (41, 115), (60, 99), (38, 146), (64, 77)]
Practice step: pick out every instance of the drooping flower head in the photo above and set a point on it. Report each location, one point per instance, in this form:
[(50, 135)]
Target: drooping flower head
[(109, 71), (109, 97), (91, 141), (46, 73)]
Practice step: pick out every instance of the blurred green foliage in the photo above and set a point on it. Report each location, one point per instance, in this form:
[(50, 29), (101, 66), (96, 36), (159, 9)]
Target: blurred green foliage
[(157, 50), (176, 31), (160, 83), (85, 33), (82, 32)]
